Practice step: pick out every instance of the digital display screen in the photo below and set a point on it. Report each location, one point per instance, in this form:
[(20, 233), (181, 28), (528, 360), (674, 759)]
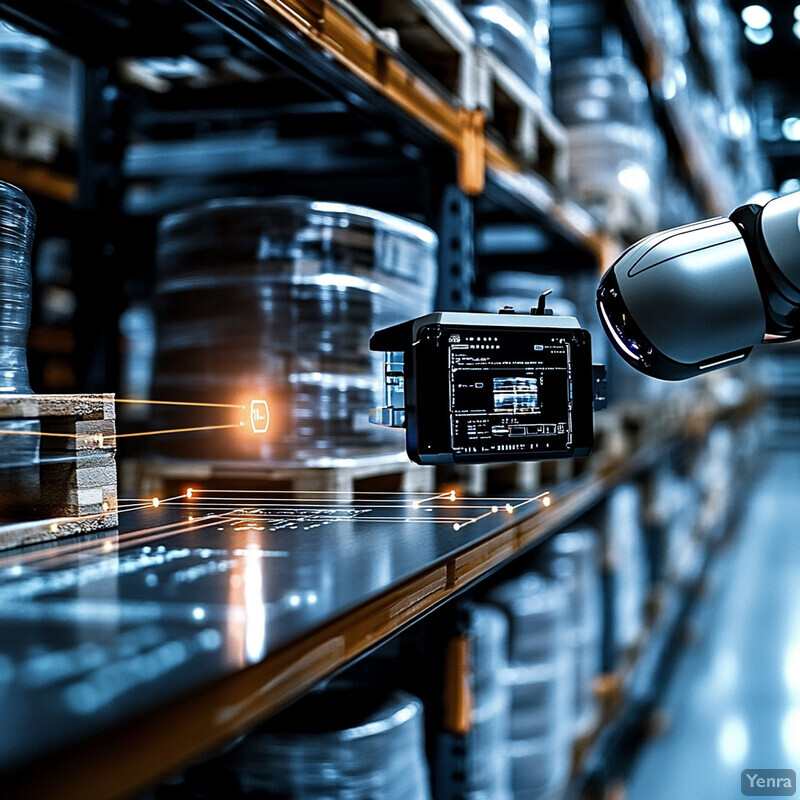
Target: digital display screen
[(510, 391), (478, 393)]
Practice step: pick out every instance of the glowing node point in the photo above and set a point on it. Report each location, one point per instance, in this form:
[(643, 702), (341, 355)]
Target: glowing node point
[(99, 439), (108, 546), (456, 526), (105, 506), (156, 502), (259, 416), (452, 497), (546, 500), (54, 528), (415, 504), (509, 508), (495, 509), (189, 493)]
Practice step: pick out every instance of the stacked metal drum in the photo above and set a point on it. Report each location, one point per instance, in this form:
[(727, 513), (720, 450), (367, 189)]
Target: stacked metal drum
[(354, 743), (278, 299)]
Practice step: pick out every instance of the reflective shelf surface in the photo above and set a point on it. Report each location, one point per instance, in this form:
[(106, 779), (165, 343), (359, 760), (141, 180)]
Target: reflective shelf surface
[(95, 632)]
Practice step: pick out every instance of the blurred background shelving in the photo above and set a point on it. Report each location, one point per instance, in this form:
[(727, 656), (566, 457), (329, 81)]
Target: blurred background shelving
[(536, 140)]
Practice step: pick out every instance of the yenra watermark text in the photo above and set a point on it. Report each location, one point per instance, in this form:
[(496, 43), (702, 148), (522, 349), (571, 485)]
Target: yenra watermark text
[(769, 782)]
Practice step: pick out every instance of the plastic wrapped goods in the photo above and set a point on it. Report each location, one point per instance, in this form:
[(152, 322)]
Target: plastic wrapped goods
[(19, 454), (487, 763), (540, 681), (600, 90), (537, 610), (627, 556), (573, 557), (616, 173), (277, 299), (358, 744), (487, 628), (616, 152), (17, 222)]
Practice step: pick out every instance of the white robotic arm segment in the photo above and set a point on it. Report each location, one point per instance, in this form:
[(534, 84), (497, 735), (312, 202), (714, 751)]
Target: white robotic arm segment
[(780, 226), (701, 296)]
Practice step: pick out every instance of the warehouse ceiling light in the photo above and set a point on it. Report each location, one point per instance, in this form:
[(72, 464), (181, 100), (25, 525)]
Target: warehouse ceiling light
[(758, 35), (756, 17), (790, 128), (733, 742), (791, 185), (635, 178), (797, 13), (790, 733), (737, 122)]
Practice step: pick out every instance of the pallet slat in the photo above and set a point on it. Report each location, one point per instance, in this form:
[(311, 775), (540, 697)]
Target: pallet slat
[(74, 465)]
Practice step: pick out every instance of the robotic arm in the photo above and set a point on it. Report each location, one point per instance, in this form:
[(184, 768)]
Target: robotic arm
[(688, 300)]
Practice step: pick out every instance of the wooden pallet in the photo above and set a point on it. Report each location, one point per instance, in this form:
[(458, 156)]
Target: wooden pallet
[(170, 477), (433, 33), (70, 487), (522, 119), (436, 36)]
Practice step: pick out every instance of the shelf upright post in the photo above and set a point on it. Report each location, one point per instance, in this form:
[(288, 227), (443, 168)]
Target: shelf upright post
[(609, 660), (456, 229), (97, 255)]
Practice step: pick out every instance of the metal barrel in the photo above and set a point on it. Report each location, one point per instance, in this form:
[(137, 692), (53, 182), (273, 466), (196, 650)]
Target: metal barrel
[(278, 299)]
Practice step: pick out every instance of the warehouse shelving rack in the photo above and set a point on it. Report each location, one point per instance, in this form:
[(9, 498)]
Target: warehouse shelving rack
[(426, 132)]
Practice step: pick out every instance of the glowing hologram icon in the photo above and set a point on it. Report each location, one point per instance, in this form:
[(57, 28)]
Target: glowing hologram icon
[(259, 416)]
